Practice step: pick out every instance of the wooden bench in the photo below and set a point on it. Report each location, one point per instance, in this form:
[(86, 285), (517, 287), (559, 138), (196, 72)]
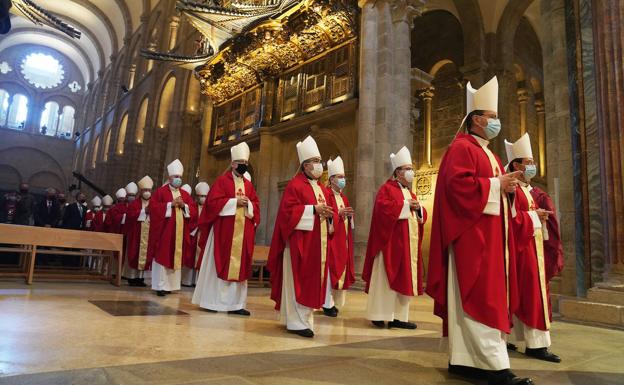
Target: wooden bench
[(35, 241), (260, 259)]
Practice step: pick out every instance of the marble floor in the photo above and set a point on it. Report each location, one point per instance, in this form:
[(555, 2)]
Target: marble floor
[(92, 333)]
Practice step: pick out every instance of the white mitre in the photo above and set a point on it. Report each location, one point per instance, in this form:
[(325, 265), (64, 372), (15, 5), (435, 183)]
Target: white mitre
[(96, 201), (485, 98), (401, 158), (121, 193), (107, 200), (187, 188), (335, 167), (520, 149), (240, 151), (175, 168), (132, 188), (202, 188), (146, 183), (307, 149)]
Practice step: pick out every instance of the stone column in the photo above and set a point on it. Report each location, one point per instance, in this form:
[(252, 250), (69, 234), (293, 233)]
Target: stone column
[(269, 145), (173, 31), (206, 124), (523, 97), (608, 34), (541, 136), (426, 95), (384, 111), (131, 75)]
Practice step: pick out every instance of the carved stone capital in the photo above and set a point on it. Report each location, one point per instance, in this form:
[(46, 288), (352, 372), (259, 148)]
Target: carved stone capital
[(406, 10), (426, 93)]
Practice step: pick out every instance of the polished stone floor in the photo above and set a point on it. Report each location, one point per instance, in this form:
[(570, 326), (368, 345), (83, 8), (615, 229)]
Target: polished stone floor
[(93, 333)]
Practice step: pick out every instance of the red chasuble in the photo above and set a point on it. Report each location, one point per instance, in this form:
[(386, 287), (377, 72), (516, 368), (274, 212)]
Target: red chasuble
[(99, 221), (114, 217), (390, 236), (162, 237), (341, 264), (309, 268), (462, 191), (188, 259), (136, 239), (553, 250), (230, 236), (89, 216), (534, 304)]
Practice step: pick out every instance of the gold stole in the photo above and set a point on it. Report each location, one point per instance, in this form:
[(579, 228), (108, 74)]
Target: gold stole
[(179, 237), (413, 240), (539, 247), (320, 199), (239, 232), (497, 172), (341, 205), (145, 225)]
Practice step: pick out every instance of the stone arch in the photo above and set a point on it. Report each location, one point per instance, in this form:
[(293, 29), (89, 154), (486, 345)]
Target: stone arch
[(36, 156), (436, 36), (13, 87), (10, 177), (142, 119), (506, 30), (165, 104), (44, 179), (471, 21)]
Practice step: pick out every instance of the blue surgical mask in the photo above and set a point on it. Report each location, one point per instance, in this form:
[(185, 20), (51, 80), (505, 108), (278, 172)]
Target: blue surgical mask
[(176, 182), (493, 128), (341, 183), (530, 170)]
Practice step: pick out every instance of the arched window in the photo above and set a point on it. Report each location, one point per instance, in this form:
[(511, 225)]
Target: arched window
[(66, 122), (122, 134), (141, 119), (107, 144), (94, 155), (18, 112), (166, 103), (4, 107), (49, 119)]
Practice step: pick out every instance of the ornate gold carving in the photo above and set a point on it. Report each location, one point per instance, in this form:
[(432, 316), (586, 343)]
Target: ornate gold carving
[(276, 45)]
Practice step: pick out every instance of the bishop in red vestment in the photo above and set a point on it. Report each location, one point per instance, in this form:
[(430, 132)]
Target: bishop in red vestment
[(99, 220), (228, 231), (471, 274), (171, 211), (341, 272), (533, 315), (393, 265), (300, 247), (137, 228), (96, 205)]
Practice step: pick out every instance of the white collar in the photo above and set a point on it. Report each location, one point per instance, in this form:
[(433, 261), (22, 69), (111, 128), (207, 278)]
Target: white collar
[(482, 142)]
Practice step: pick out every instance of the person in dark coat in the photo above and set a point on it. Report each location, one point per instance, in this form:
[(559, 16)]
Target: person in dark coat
[(25, 206), (48, 211), (74, 213)]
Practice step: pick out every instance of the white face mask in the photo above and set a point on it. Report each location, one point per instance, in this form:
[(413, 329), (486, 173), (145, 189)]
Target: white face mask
[(146, 195), (409, 176), (202, 200), (317, 171)]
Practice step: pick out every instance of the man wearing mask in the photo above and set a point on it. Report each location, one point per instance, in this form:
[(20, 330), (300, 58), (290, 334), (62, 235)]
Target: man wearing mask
[(393, 265), (188, 259), (229, 223), (48, 211), (341, 273), (201, 193), (96, 205), (25, 206), (300, 248), (471, 274), (99, 221), (137, 233), (75, 213), (62, 200), (535, 263), (190, 265), (171, 210), (116, 218)]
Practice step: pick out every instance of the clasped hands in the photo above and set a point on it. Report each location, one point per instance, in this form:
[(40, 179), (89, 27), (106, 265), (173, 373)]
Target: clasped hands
[(323, 210), (509, 181), (346, 212)]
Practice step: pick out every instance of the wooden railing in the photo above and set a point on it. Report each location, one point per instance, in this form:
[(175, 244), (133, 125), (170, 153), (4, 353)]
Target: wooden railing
[(33, 241)]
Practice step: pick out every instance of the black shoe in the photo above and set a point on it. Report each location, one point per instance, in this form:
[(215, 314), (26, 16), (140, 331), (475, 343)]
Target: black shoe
[(210, 311), (161, 293), (132, 282), (512, 347), (379, 324), (141, 282), (183, 285), (240, 312), (307, 333), (506, 377), (468, 371), (401, 325), (167, 291), (542, 354), (333, 312)]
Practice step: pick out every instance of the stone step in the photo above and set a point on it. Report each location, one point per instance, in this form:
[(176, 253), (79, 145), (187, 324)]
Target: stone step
[(608, 296), (581, 309)]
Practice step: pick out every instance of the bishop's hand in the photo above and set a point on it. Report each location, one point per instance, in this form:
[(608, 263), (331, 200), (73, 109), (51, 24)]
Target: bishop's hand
[(323, 210), (242, 201), (414, 204), (543, 214), (509, 181)]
